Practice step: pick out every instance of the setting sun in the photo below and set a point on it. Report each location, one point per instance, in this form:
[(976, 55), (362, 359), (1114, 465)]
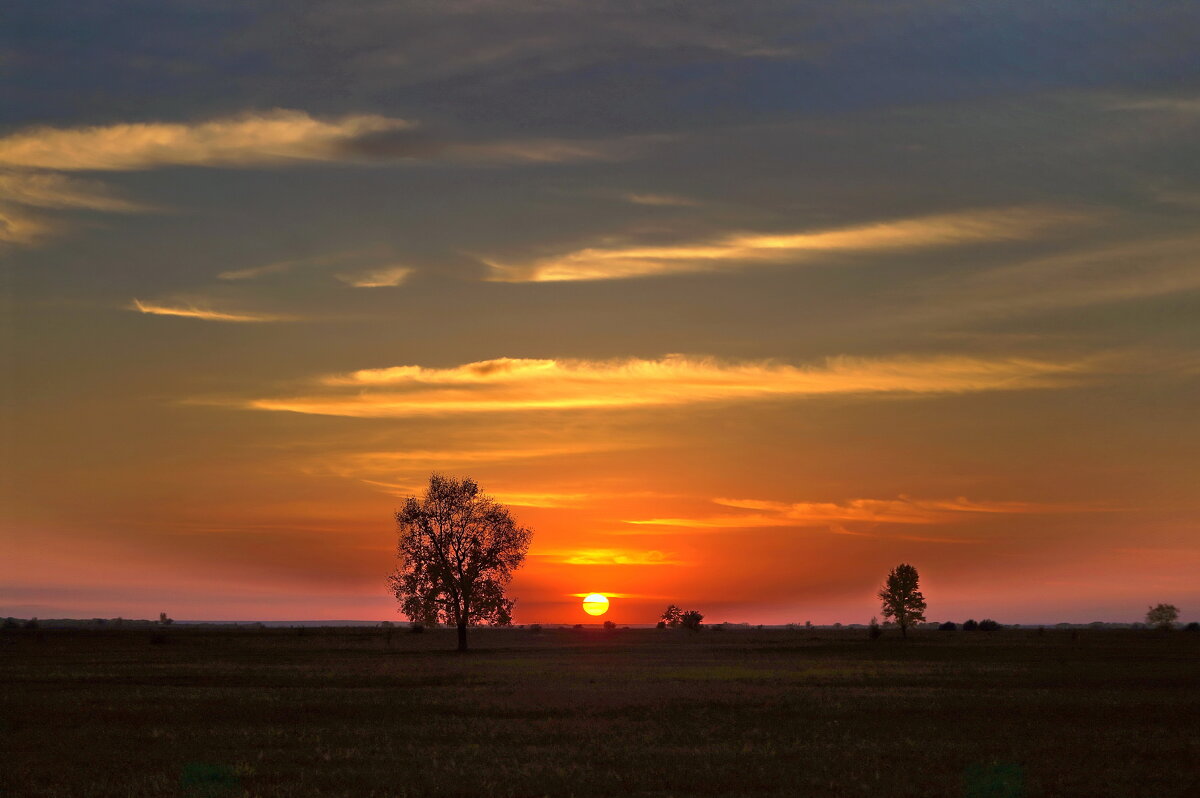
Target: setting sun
[(595, 604)]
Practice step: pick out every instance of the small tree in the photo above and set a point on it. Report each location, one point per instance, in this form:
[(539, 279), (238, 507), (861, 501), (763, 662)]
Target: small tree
[(1162, 616), (672, 615), (988, 625), (610, 625), (691, 619), (948, 626), (902, 601), (163, 620), (873, 628), (458, 549), (970, 625)]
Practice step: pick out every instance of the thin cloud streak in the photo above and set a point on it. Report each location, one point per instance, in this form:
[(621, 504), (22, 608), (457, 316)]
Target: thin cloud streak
[(384, 277), (204, 314), (736, 251), (903, 510), (251, 138), (609, 557), (515, 384)]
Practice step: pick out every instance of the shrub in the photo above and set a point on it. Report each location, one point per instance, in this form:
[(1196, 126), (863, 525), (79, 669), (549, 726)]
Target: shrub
[(970, 625), (1192, 627), (691, 619), (1162, 616), (873, 629), (11, 623), (536, 628), (988, 625), (580, 626), (661, 625), (163, 620), (32, 623), (948, 626), (609, 625)]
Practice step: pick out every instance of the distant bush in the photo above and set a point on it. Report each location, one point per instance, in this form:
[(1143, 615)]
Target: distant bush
[(970, 625), (163, 620), (579, 626), (691, 619), (609, 625), (837, 625), (873, 629), (1162, 616), (11, 623), (416, 627), (660, 625), (1192, 627), (988, 625), (32, 623), (948, 626), (536, 628)]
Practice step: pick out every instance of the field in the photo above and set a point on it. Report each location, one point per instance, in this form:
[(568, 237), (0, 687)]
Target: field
[(350, 712)]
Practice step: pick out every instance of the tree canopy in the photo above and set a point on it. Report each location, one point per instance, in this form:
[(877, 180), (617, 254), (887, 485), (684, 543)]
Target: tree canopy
[(902, 601), (458, 549), (1162, 616)]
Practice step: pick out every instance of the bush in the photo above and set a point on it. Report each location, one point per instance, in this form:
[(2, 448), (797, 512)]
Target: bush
[(691, 619), (988, 625), (609, 625), (1192, 627), (948, 626), (970, 625), (11, 623), (577, 626), (661, 625), (536, 628), (874, 631), (31, 624)]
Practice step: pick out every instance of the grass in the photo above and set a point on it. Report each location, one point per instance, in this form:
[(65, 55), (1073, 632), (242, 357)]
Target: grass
[(343, 712)]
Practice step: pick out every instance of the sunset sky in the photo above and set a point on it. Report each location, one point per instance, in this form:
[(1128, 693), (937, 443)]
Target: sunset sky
[(737, 305)]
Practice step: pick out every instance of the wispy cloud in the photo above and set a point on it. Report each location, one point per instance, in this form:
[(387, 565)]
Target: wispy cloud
[(205, 314), (664, 200), (610, 557), (734, 251), (513, 384), (49, 190), (251, 138), (21, 228), (383, 277), (901, 510)]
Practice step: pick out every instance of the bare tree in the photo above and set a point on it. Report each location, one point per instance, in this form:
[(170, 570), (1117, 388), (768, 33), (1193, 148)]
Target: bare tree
[(458, 549), (1162, 616), (902, 601)]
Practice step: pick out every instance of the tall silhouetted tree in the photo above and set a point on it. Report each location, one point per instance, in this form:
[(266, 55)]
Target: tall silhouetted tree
[(458, 549), (1162, 616), (902, 601), (671, 615)]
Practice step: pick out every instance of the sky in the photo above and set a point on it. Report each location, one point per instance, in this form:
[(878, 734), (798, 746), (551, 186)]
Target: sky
[(736, 305)]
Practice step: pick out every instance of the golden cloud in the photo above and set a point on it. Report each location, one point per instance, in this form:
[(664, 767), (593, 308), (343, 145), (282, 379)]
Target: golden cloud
[(205, 314), (277, 135), (610, 557), (744, 249), (384, 277), (516, 384), (902, 510)]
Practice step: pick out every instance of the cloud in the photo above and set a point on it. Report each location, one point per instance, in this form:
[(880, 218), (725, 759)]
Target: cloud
[(20, 228), (666, 200), (384, 277), (902, 510), (739, 250), (194, 312), (250, 138), (610, 557), (49, 190), (517, 384)]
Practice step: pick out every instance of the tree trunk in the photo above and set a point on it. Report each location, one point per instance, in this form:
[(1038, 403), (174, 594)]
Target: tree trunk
[(462, 637), (904, 631)]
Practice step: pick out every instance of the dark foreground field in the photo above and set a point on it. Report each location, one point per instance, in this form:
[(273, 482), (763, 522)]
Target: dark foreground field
[(589, 713)]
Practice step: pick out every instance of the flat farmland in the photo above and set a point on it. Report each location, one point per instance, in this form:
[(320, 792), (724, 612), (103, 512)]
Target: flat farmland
[(355, 712)]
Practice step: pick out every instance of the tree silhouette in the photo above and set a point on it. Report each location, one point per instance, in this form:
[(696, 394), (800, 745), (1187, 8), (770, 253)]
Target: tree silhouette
[(672, 615), (1162, 616), (691, 619), (902, 601), (458, 549)]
